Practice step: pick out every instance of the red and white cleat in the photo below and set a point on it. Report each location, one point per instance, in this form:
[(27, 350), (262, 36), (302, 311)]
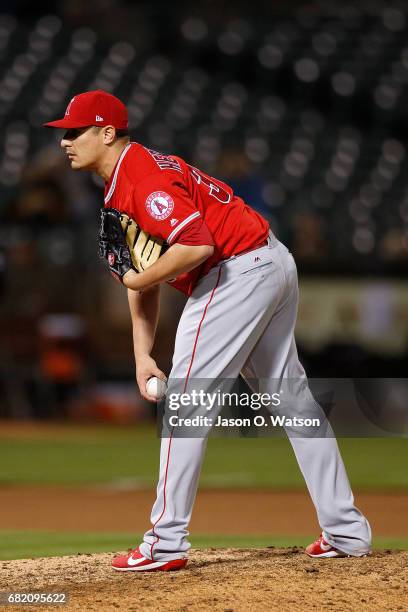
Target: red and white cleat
[(134, 561), (322, 549)]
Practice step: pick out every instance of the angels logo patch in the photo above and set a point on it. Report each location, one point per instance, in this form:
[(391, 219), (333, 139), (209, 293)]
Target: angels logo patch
[(111, 259), (159, 205)]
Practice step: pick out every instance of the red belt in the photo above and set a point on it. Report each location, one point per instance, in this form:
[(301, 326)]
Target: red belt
[(257, 246)]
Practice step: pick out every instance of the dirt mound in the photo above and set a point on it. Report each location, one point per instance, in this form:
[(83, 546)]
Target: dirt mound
[(221, 580)]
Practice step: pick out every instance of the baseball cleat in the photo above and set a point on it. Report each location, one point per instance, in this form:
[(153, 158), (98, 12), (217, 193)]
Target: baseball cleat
[(134, 561), (323, 550)]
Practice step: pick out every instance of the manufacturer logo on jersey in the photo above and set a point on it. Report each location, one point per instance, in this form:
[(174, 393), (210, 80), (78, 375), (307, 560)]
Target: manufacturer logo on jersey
[(257, 259), (99, 118), (173, 222), (159, 205)]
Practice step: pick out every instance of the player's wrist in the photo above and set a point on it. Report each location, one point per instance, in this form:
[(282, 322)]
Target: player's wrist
[(141, 357), (131, 280)]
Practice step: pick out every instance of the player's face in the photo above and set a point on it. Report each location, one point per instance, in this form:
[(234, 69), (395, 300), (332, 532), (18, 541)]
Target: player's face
[(82, 146)]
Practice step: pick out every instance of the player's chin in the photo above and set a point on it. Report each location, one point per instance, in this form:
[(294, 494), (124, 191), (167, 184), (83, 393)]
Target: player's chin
[(75, 164)]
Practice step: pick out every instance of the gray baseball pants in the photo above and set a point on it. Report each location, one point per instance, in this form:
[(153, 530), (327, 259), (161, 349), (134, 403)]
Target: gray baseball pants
[(241, 318)]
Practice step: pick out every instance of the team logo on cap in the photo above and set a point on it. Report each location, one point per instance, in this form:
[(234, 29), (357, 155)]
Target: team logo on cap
[(159, 205), (69, 106)]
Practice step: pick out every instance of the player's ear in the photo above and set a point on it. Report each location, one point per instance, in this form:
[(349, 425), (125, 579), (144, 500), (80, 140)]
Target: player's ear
[(109, 134)]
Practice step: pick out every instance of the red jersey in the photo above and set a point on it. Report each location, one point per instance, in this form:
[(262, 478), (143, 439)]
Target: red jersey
[(178, 203)]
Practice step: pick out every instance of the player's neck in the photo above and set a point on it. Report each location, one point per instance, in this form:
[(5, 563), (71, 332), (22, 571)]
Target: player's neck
[(106, 165)]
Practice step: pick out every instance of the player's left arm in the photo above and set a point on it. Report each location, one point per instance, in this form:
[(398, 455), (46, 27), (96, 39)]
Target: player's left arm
[(178, 259)]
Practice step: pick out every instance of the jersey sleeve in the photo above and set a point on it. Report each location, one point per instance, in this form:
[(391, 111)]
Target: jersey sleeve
[(163, 207), (195, 234)]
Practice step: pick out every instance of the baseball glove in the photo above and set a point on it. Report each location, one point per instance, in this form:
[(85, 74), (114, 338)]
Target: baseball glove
[(144, 248), (125, 245), (112, 244)]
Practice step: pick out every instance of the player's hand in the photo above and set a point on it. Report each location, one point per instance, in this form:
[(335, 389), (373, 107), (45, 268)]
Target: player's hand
[(146, 367), (131, 280)]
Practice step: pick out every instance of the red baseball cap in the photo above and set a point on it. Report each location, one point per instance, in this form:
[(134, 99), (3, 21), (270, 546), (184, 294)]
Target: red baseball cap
[(93, 108)]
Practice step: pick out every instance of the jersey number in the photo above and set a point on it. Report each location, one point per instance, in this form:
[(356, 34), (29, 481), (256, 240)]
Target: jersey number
[(214, 188)]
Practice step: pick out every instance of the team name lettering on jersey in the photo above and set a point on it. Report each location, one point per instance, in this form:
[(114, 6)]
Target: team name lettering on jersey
[(165, 162)]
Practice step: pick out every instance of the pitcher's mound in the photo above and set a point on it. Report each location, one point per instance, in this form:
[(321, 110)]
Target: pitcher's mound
[(219, 579)]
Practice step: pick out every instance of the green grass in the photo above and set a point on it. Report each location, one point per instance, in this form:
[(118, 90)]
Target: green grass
[(86, 455), (28, 544)]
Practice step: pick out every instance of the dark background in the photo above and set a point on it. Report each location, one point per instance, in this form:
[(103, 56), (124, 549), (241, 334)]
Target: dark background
[(300, 106)]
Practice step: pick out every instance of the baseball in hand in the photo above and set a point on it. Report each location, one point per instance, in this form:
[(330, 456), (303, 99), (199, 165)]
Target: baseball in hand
[(156, 387)]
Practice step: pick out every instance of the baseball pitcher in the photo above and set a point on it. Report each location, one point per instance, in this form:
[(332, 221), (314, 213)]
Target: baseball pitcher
[(166, 221)]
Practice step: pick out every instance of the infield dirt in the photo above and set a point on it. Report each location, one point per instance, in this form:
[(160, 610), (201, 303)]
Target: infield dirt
[(217, 511), (228, 580)]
